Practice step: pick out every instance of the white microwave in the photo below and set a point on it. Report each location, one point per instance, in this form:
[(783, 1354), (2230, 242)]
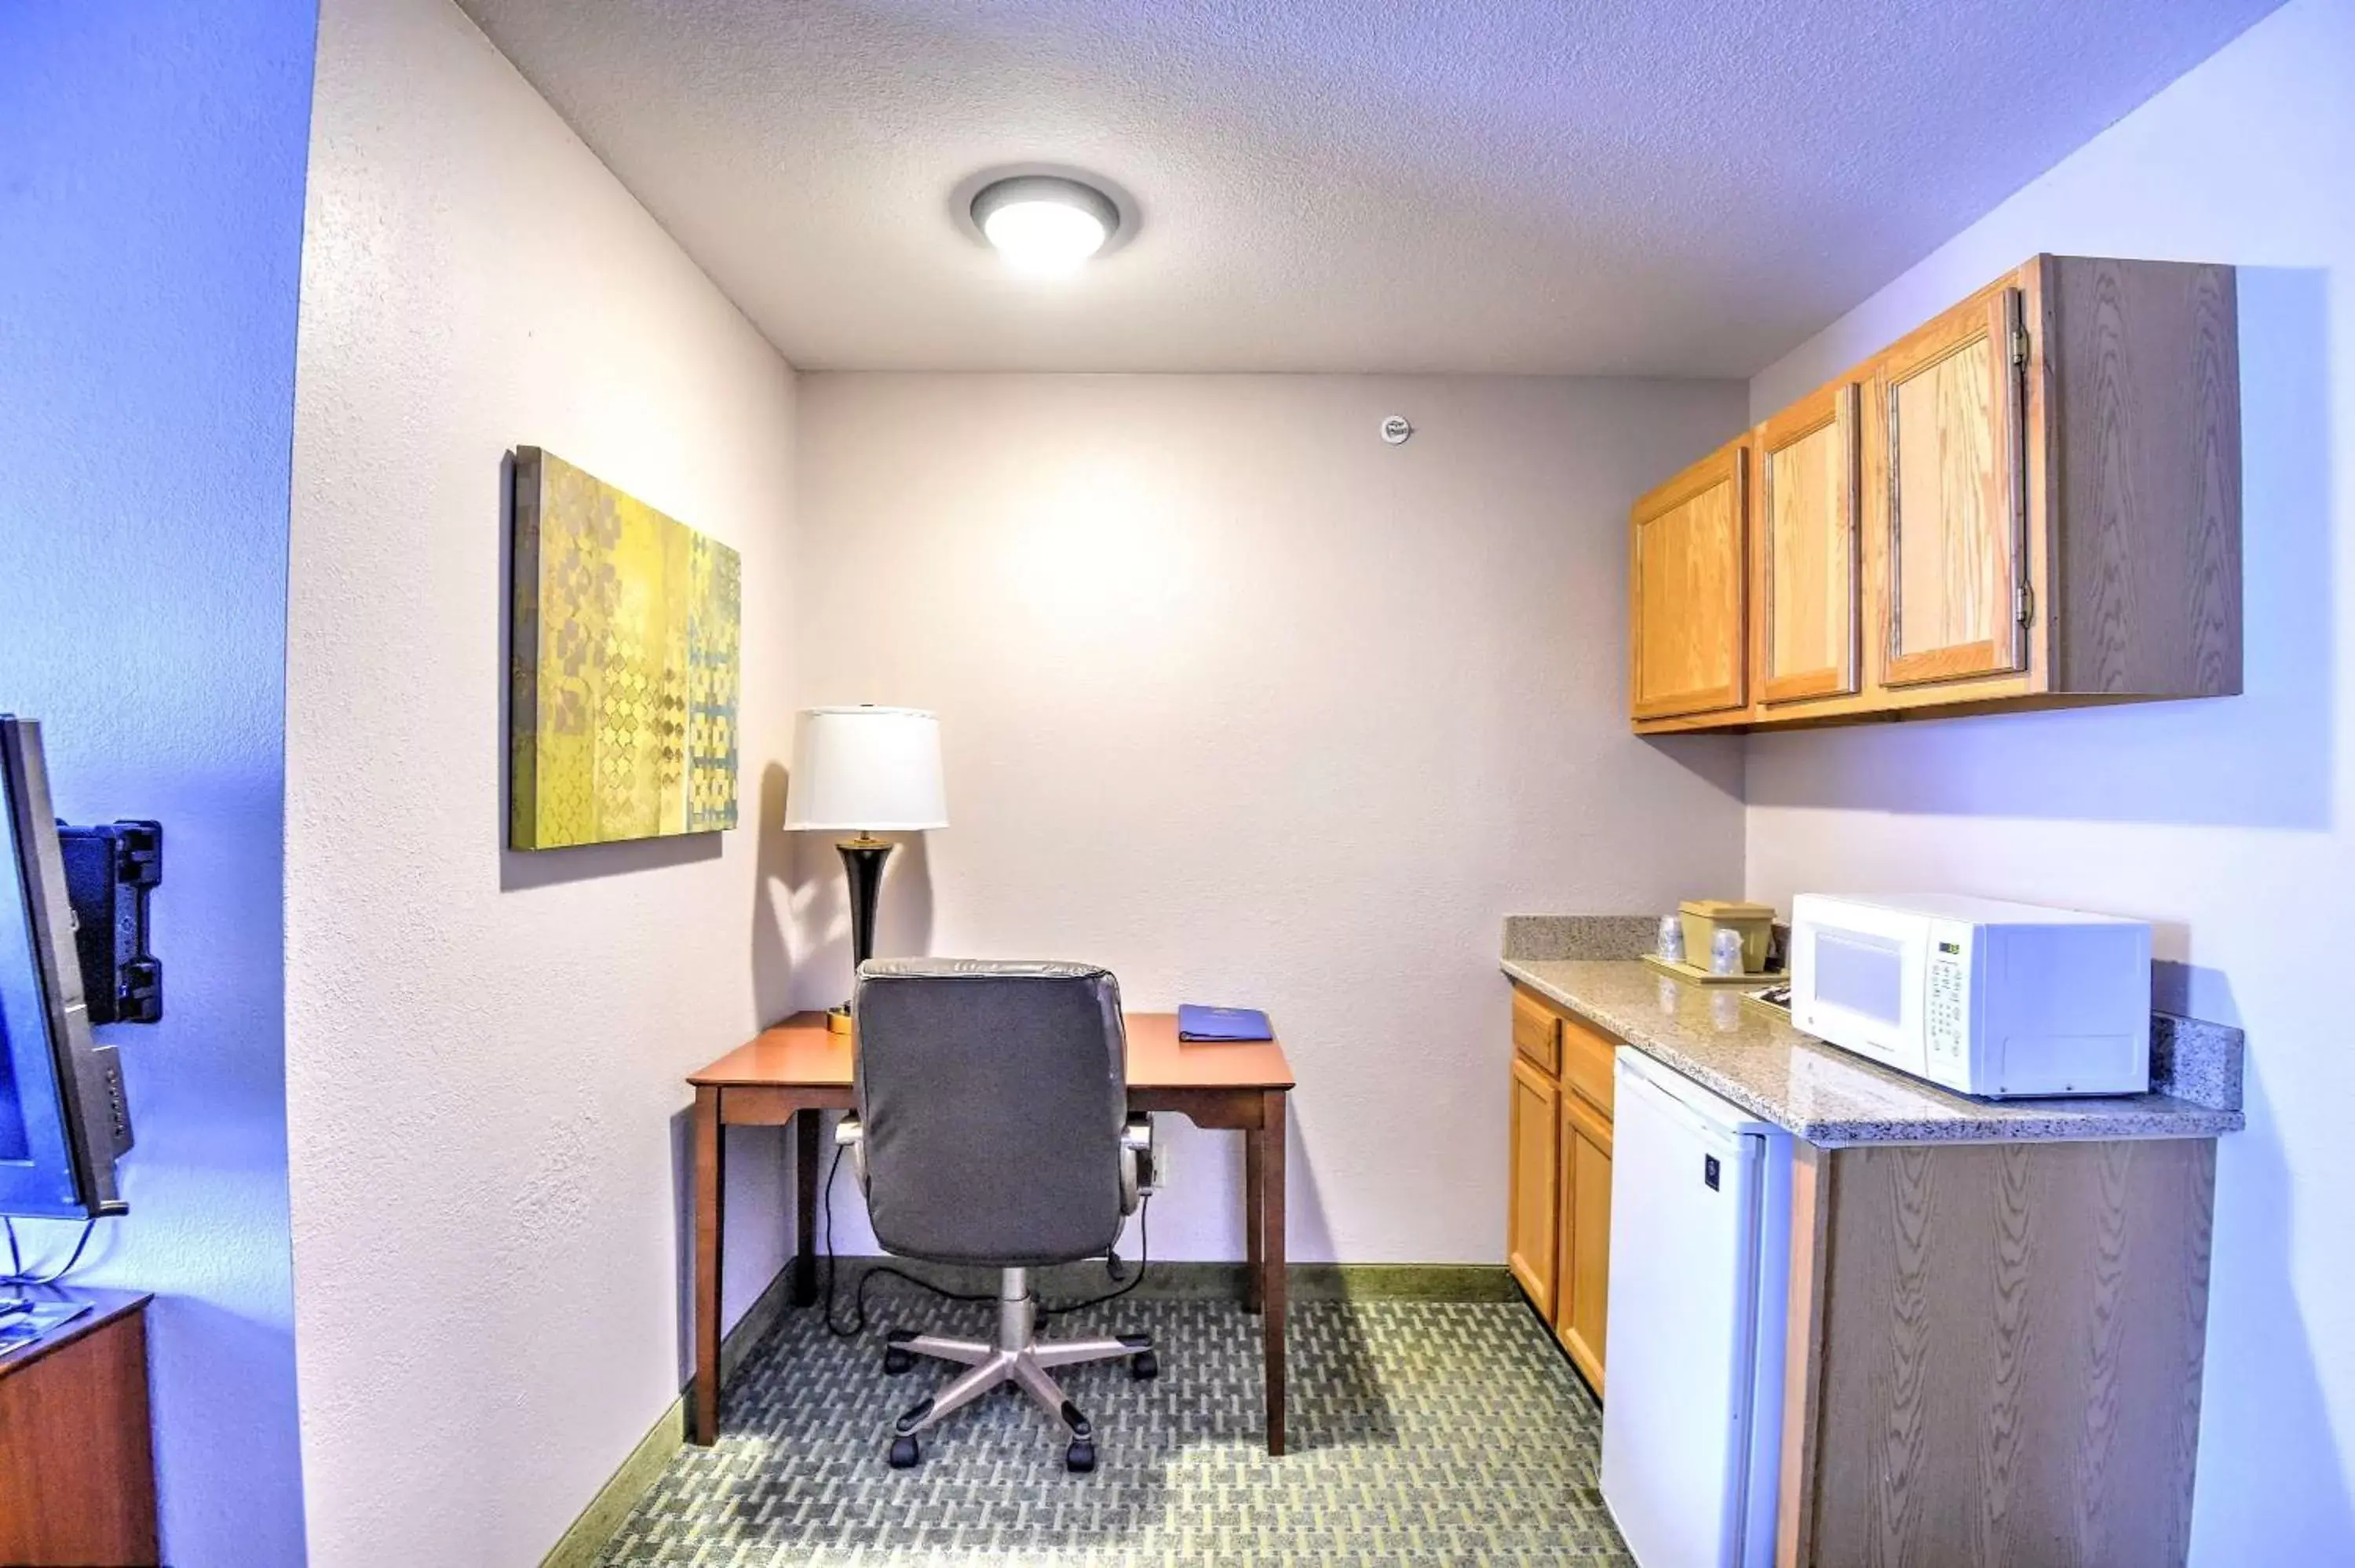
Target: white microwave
[(1984, 997)]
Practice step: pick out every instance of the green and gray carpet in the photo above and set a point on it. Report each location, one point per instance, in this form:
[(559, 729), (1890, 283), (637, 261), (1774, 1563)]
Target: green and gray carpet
[(1421, 1433)]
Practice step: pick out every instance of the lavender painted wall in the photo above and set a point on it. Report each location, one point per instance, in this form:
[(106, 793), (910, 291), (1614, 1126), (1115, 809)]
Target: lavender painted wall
[(487, 1049), (1253, 708), (151, 194), (2231, 822)]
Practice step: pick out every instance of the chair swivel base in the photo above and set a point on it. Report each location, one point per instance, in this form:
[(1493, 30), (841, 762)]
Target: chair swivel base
[(1017, 1357)]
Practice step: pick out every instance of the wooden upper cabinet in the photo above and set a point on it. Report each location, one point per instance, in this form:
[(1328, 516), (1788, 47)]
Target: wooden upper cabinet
[(1955, 520), (1687, 563), (2032, 500), (1809, 612)]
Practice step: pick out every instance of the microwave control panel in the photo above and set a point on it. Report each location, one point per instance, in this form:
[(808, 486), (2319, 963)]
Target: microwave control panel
[(1949, 982)]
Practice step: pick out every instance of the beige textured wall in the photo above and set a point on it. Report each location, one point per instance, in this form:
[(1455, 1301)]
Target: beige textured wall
[(485, 1049), (1256, 709)]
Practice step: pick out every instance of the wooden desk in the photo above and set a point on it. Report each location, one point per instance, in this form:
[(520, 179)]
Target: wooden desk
[(798, 1069)]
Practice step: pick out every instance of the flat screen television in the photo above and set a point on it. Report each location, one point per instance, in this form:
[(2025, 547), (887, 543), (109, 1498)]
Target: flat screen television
[(63, 1118)]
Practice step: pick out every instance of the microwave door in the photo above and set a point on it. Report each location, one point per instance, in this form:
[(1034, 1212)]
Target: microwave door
[(1864, 991)]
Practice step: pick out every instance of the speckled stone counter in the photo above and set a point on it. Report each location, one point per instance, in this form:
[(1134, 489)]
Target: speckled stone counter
[(1833, 1098)]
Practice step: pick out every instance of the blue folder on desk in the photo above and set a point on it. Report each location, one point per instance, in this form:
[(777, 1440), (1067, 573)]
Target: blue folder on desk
[(1206, 1024)]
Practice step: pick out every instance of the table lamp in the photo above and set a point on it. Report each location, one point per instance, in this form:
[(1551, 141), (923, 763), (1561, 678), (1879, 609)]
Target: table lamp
[(863, 769)]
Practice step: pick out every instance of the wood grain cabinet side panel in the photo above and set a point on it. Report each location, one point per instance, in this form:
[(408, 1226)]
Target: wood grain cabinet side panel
[(1530, 1216), (1802, 1359), (2145, 372), (2010, 1341)]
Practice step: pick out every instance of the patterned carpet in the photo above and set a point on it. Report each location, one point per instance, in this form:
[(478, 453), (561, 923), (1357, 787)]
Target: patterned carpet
[(1421, 1433)]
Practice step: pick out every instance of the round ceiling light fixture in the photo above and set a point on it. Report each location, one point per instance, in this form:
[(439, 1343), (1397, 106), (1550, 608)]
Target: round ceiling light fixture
[(1045, 225)]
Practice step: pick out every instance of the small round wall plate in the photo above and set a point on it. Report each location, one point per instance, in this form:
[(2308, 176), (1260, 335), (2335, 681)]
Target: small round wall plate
[(1396, 430)]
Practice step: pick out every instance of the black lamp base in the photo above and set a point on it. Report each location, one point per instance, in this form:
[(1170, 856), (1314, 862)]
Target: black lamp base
[(862, 863)]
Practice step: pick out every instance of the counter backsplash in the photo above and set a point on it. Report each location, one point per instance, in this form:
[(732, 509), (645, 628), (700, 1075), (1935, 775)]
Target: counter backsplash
[(1544, 937)]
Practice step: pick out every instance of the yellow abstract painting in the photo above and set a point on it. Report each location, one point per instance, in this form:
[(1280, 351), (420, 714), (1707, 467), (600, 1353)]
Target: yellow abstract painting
[(625, 668)]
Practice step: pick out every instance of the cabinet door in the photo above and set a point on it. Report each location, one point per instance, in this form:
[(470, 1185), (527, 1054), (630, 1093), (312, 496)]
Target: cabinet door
[(1806, 549), (1687, 553), (1584, 1290), (1950, 405), (1529, 1220)]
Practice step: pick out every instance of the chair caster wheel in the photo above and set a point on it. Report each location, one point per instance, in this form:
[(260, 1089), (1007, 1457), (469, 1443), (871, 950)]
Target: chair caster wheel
[(1079, 1457), (896, 1361), (1145, 1366), (904, 1454)]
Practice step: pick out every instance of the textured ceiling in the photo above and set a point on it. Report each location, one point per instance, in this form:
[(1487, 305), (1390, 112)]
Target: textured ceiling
[(1636, 187)]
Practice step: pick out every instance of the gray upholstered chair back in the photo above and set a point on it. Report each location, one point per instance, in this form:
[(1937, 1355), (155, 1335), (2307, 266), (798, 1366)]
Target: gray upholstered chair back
[(992, 1095)]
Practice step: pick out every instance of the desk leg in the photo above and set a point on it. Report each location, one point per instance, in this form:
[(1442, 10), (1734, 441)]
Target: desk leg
[(703, 1422), (1274, 1286), (809, 1128), (1254, 1218)]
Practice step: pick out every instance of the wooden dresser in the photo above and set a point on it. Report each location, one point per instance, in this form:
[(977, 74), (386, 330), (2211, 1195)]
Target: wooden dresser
[(77, 1469)]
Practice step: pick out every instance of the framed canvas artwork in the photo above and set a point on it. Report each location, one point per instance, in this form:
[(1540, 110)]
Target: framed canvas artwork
[(624, 666)]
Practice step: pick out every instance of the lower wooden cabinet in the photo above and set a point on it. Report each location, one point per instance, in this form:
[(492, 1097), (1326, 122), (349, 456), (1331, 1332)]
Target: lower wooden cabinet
[(1536, 1138), (1993, 1353), (1584, 1290), (1558, 1223)]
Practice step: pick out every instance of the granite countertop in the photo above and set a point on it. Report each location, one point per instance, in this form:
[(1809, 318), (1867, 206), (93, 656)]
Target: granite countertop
[(1833, 1098)]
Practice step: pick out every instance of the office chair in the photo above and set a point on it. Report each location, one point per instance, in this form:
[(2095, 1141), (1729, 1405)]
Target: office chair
[(992, 1127)]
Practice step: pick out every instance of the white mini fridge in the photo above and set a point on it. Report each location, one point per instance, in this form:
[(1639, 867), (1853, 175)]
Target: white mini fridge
[(1701, 1232)]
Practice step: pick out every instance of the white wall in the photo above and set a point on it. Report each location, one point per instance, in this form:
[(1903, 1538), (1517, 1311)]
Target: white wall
[(1255, 709), (151, 200), (2229, 822), (486, 1049)]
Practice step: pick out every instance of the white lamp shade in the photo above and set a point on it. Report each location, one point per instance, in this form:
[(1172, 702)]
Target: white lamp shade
[(866, 769)]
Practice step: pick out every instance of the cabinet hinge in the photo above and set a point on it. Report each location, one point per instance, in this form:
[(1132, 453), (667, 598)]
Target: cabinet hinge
[(2027, 604), (2019, 345)]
